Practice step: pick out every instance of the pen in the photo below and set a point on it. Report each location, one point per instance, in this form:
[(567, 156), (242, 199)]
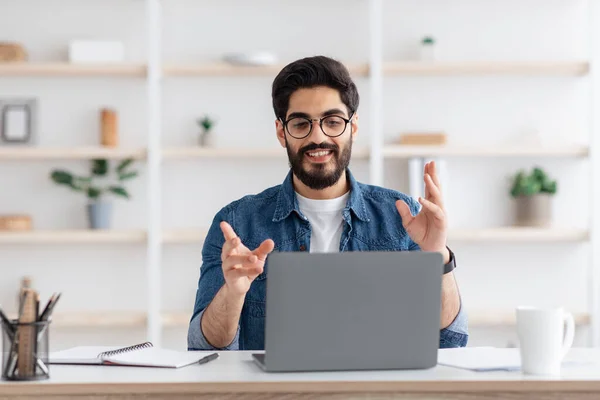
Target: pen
[(208, 358)]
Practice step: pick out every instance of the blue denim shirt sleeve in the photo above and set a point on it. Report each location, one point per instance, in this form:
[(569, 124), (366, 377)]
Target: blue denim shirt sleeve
[(210, 282), (457, 333)]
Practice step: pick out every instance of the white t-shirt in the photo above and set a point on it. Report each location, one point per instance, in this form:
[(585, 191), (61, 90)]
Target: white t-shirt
[(326, 222)]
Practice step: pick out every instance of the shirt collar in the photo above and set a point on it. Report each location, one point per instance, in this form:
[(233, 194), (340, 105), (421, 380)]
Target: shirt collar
[(288, 202)]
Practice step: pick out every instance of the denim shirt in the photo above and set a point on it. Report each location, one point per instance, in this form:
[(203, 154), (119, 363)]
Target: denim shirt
[(371, 223)]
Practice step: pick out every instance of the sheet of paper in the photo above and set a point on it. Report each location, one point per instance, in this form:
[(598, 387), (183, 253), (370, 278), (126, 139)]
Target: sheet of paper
[(481, 358)]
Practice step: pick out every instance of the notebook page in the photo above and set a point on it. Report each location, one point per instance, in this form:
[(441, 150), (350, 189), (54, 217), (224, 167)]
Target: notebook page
[(155, 357), (481, 358), (79, 355)]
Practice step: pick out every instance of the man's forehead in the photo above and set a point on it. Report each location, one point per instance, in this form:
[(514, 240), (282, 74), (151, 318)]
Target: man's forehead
[(315, 101)]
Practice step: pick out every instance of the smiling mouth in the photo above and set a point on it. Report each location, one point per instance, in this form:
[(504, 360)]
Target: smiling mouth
[(318, 153)]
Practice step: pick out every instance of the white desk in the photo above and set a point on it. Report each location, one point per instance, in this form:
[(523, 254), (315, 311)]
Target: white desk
[(234, 375)]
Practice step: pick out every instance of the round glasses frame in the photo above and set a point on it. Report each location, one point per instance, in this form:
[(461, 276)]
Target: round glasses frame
[(320, 120)]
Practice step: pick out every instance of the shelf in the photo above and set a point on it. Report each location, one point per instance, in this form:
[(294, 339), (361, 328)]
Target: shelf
[(71, 70), (182, 236), (224, 69), (518, 234), (407, 151), (73, 237), (224, 152), (178, 236), (55, 153), (566, 68), (494, 319)]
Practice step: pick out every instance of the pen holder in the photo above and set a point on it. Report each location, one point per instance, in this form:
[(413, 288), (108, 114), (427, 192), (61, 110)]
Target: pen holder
[(25, 351)]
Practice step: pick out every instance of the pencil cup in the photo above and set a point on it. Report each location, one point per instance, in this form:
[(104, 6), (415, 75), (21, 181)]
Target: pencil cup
[(25, 351)]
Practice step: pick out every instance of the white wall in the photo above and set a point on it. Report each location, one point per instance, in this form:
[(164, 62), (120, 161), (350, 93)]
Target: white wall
[(485, 110)]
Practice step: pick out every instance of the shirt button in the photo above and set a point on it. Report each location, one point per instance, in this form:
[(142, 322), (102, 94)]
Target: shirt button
[(302, 247)]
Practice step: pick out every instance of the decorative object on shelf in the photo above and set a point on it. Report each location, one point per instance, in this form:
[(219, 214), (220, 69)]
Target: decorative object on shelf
[(427, 50), (533, 194), (423, 139), (17, 121), (12, 52), (96, 51), (261, 58), (99, 211), (207, 136), (109, 127), (15, 223)]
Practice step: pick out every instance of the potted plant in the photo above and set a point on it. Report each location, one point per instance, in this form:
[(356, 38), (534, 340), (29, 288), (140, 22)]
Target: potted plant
[(533, 195), (99, 210), (206, 137), (428, 48)]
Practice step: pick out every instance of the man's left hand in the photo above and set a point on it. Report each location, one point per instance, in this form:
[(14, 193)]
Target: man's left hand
[(428, 229)]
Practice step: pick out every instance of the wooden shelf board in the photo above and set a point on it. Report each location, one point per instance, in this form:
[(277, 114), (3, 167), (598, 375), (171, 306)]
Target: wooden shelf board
[(518, 234), (71, 70), (172, 236), (406, 151), (263, 152), (502, 234), (495, 318), (225, 69), (72, 236), (568, 68), (76, 153)]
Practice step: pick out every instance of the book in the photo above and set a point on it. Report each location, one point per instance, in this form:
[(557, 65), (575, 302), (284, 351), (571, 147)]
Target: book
[(141, 355)]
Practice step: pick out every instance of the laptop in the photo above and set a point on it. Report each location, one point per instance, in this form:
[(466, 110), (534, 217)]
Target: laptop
[(352, 311)]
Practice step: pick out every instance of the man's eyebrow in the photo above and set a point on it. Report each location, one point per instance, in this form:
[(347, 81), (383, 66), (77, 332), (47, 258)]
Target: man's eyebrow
[(333, 111), (298, 115)]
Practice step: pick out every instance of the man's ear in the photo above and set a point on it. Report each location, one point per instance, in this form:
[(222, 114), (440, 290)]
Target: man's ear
[(354, 124), (280, 132)]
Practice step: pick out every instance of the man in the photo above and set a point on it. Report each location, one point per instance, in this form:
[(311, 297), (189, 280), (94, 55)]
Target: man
[(320, 207)]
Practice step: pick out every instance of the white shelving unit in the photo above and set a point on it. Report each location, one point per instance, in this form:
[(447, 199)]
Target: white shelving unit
[(374, 69)]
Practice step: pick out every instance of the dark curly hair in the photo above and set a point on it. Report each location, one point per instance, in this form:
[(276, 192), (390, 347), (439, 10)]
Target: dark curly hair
[(311, 72)]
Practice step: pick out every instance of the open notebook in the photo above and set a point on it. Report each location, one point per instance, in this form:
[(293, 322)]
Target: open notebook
[(142, 355)]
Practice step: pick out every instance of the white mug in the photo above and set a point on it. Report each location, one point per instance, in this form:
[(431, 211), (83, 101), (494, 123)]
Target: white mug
[(545, 336)]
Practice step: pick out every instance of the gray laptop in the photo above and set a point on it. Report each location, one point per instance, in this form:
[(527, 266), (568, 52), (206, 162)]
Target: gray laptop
[(352, 311)]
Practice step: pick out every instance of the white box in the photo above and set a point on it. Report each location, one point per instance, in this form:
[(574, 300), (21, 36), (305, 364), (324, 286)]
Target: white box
[(96, 51)]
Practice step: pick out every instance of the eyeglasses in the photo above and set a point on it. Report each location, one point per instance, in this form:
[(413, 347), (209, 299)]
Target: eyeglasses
[(300, 127)]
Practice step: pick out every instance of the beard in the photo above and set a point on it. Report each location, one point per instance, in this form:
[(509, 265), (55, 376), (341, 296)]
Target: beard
[(320, 176)]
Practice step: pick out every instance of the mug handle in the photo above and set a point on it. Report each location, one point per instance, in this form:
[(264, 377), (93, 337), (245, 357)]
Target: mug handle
[(569, 333)]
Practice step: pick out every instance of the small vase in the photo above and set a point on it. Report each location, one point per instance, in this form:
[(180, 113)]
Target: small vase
[(207, 139), (99, 215), (427, 52), (534, 211)]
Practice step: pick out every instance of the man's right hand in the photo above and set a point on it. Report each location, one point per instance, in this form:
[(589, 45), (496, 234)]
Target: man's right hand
[(241, 265)]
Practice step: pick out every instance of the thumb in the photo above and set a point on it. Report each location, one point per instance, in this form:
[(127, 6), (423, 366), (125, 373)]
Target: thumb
[(404, 212), (264, 249)]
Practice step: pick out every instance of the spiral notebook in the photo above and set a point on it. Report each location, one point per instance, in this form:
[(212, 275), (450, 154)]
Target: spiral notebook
[(141, 355)]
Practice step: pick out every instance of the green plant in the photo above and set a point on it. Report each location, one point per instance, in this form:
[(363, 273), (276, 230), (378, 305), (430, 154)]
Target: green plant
[(207, 123), (536, 182), (428, 40), (99, 169)]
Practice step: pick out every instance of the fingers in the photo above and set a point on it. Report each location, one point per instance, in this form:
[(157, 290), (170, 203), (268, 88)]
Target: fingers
[(245, 272), (432, 171), (227, 230), (404, 212), (240, 262), (264, 249), (435, 194), (230, 247), (434, 209)]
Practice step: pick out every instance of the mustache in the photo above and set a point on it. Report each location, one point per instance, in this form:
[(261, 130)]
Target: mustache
[(322, 146)]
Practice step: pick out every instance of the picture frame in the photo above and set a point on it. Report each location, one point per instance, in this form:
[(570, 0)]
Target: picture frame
[(17, 121)]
